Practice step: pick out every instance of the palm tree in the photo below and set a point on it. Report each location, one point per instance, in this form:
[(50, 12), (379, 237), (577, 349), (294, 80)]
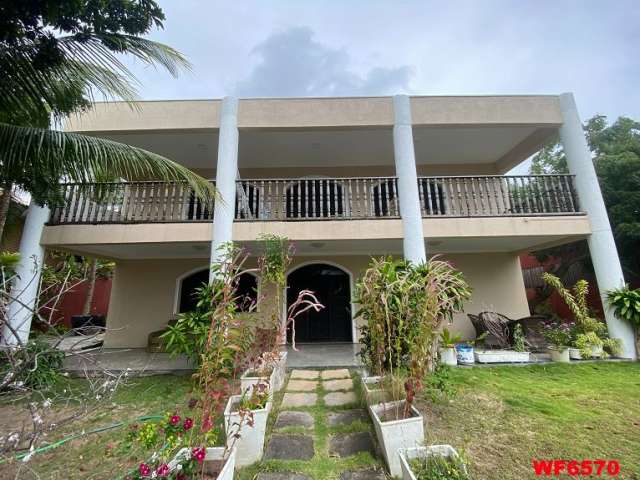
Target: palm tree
[(36, 158)]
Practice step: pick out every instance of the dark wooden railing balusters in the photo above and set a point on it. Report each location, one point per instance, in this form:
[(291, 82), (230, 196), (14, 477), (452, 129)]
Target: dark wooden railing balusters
[(319, 198)]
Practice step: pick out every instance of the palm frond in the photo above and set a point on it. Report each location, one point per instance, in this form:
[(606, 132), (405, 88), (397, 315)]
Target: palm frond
[(81, 158), (88, 60)]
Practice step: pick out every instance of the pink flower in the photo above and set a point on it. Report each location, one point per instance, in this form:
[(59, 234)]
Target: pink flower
[(163, 470), (188, 423), (174, 420), (145, 470), (198, 454)]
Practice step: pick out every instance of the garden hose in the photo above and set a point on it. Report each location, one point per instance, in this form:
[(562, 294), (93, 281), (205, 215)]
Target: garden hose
[(53, 445)]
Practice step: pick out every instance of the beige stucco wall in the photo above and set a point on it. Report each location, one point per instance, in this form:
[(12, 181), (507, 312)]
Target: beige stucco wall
[(144, 291)]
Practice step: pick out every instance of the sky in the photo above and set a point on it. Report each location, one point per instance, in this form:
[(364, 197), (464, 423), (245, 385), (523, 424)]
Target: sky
[(282, 48)]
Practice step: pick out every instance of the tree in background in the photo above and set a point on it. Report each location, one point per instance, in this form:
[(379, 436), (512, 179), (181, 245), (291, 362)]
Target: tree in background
[(55, 57), (616, 157)]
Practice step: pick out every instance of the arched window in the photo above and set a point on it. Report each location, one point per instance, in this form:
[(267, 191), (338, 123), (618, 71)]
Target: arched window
[(314, 198), (247, 201), (384, 199), (246, 291)]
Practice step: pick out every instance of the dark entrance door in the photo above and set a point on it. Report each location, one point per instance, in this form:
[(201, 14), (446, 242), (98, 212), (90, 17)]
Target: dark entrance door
[(331, 286)]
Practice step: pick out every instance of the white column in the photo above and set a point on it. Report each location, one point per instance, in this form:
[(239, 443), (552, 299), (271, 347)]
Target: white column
[(601, 243), (24, 290), (405, 159), (226, 171)]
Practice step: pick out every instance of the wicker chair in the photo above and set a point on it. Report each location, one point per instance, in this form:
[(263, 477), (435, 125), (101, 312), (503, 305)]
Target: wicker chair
[(499, 330)]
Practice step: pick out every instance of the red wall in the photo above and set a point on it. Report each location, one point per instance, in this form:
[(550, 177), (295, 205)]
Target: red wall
[(556, 302), (72, 302)]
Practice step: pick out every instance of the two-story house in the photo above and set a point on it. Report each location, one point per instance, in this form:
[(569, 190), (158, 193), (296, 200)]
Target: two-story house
[(344, 179)]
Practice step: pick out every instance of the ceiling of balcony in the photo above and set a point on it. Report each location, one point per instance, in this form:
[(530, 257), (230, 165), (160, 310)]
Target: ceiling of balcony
[(500, 146)]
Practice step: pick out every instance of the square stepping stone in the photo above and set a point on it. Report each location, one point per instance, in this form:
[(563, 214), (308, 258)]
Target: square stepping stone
[(289, 447), (301, 386), (333, 385), (294, 419), (299, 399), (340, 373), (305, 374), (336, 399), (363, 475), (345, 445), (347, 417), (282, 476)]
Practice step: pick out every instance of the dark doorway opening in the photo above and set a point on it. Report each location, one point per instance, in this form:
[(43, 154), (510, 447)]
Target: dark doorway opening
[(331, 286), (246, 291)]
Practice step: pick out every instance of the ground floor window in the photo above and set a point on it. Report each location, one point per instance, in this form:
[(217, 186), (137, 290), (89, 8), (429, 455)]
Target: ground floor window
[(246, 290)]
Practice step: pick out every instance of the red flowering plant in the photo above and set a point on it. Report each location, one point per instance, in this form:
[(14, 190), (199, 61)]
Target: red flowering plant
[(185, 438)]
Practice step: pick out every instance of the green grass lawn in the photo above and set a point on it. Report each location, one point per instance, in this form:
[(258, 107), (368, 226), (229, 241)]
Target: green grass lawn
[(503, 417), (500, 418)]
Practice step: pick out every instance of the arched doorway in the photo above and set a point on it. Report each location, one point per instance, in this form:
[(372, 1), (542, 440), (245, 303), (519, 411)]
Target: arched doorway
[(332, 286), (246, 291)]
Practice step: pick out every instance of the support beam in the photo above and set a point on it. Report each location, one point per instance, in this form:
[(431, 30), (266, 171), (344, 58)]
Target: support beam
[(26, 285), (226, 171), (604, 253), (408, 195)]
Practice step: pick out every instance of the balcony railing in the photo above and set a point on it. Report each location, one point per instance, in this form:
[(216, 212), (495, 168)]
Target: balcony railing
[(306, 199), (495, 196)]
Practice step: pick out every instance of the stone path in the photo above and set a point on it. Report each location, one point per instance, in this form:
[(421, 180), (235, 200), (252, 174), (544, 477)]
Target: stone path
[(318, 430)]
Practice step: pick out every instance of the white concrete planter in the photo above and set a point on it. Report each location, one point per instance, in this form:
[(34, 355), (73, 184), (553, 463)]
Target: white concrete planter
[(247, 382), (560, 355), (280, 370), (408, 454), (212, 454), (448, 356), (372, 392), (396, 434), (501, 356), (596, 352), (250, 446)]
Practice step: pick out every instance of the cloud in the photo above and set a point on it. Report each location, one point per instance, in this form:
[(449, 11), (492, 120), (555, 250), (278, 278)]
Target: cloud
[(293, 63)]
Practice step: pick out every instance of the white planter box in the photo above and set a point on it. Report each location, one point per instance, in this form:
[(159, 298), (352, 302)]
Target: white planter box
[(501, 356), (408, 454), (396, 434), (247, 382), (448, 356), (560, 356), (596, 352), (250, 446), (280, 370), (372, 392), (212, 453)]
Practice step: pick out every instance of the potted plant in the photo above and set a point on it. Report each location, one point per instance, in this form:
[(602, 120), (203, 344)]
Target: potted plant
[(248, 412), (517, 353), (589, 335), (447, 350), (196, 445), (558, 335), (432, 463), (403, 305)]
